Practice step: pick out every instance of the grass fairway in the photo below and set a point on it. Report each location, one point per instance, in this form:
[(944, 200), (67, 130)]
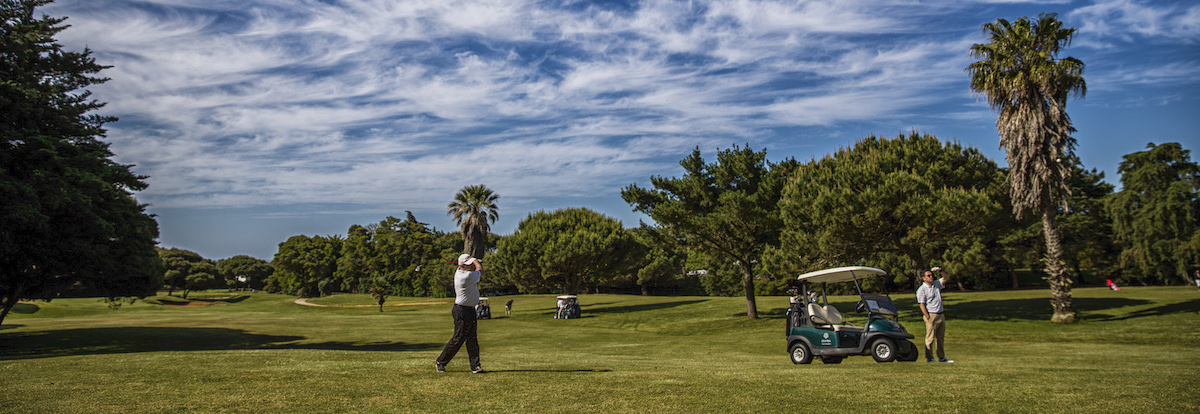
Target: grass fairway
[(1135, 350)]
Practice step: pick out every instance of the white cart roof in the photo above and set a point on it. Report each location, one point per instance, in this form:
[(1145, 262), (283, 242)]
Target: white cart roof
[(567, 297), (840, 274)]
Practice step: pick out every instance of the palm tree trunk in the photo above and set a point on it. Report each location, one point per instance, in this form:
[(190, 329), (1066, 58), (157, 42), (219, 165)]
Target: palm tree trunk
[(1060, 285)]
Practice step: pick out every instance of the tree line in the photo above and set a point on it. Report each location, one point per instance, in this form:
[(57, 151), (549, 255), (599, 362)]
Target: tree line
[(900, 204)]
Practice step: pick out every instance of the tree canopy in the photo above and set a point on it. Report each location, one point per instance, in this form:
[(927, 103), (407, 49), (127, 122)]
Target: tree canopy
[(70, 221), (568, 250), (727, 209), (305, 265), (1156, 213), (245, 271), (474, 209), (913, 196)]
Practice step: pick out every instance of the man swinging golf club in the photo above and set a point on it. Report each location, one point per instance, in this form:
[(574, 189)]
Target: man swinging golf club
[(466, 296)]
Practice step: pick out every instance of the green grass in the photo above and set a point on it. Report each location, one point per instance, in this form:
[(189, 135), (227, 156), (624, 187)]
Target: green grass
[(1134, 351)]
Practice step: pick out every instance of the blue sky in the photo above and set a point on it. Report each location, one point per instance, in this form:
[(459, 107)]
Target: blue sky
[(257, 120)]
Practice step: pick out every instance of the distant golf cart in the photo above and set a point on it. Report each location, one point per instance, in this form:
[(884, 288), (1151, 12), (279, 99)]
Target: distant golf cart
[(816, 328), (483, 309), (570, 308)]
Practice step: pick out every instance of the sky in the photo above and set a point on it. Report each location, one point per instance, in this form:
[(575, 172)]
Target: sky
[(258, 120)]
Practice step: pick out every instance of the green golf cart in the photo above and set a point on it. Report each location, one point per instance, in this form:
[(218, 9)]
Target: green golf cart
[(816, 328), (569, 309)]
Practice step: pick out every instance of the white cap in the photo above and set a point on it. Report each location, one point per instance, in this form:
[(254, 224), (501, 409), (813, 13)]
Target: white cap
[(465, 259)]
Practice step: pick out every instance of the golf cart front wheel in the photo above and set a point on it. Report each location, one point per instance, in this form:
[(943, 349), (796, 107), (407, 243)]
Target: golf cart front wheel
[(883, 350), (800, 353), (908, 351)]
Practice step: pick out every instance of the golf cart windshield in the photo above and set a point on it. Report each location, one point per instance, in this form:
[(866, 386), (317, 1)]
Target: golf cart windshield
[(879, 304)]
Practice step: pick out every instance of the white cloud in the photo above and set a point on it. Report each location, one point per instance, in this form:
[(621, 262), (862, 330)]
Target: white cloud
[(1127, 19)]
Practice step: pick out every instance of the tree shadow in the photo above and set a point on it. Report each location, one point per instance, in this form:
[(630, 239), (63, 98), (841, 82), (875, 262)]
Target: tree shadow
[(638, 308), (1191, 306), (1015, 309), (234, 299), (547, 370), (91, 341), (1033, 308), (25, 308)]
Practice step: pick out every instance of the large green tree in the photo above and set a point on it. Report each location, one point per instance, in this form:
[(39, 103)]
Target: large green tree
[(395, 253), (68, 219), (1024, 80), (572, 249), (1156, 213), (727, 209), (245, 271), (659, 258), (913, 196), (473, 210), (187, 270), (305, 265)]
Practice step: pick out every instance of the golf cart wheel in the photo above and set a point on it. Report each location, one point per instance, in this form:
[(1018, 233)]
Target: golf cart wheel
[(800, 353), (883, 350), (908, 352), (832, 359)]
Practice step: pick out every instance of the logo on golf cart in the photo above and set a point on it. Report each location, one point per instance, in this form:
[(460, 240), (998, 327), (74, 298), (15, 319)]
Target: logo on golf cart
[(825, 341)]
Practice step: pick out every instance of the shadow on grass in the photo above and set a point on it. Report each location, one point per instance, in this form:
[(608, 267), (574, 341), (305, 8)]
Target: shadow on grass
[(234, 299), (1191, 306), (90, 341), (1018, 309), (25, 308), (638, 308), (546, 370)]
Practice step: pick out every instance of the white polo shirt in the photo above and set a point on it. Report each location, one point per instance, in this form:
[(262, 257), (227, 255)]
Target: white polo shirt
[(931, 295), (466, 287)]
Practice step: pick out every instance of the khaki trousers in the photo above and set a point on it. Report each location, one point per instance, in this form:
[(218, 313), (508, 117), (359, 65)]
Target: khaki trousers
[(935, 331)]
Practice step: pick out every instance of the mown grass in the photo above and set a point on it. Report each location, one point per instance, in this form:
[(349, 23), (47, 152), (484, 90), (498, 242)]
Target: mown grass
[(1134, 351)]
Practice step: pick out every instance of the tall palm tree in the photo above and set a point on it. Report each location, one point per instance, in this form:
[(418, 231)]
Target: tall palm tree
[(473, 209), (1023, 80)]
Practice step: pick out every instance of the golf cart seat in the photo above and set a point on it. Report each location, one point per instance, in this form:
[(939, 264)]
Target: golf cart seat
[(828, 316)]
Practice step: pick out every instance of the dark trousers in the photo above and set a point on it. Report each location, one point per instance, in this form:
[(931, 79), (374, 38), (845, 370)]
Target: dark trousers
[(464, 332)]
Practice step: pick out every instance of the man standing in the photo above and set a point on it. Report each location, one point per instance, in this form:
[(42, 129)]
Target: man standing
[(929, 296), (466, 296)]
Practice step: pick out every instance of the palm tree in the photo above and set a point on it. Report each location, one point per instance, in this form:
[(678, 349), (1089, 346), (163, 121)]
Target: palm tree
[(1023, 80), (474, 207)]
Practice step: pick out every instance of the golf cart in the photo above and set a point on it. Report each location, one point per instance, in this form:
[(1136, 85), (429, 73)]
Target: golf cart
[(816, 328), (483, 309), (570, 308)]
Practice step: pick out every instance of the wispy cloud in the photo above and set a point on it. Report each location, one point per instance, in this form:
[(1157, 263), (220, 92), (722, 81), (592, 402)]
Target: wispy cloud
[(399, 103)]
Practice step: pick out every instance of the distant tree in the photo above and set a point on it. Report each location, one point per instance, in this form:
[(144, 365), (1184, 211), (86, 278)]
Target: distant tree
[(379, 291), (573, 249), (359, 261), (305, 265), (473, 210), (245, 271), (914, 196), (187, 270), (403, 250), (69, 219), (727, 210), (1020, 74), (659, 258), (1155, 215)]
